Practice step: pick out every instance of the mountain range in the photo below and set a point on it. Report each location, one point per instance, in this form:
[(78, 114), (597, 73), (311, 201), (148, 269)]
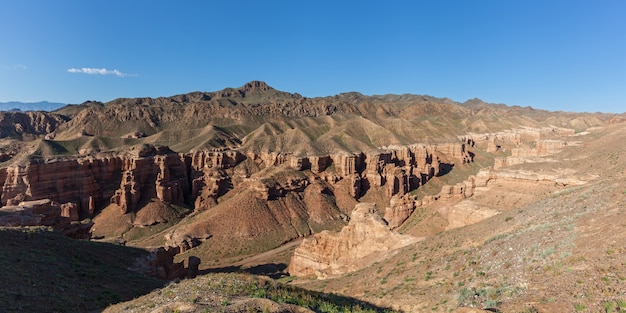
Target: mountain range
[(30, 106), (392, 202)]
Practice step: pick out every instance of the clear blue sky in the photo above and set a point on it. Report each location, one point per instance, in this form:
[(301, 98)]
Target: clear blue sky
[(556, 55)]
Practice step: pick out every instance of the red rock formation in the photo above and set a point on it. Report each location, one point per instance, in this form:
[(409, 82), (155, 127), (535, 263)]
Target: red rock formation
[(546, 147), (320, 163), (152, 173), (365, 240), (399, 210), (147, 172), (346, 164), (70, 210), (84, 181), (48, 213)]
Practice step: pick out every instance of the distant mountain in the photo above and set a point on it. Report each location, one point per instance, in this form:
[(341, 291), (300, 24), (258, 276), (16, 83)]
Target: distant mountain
[(30, 106)]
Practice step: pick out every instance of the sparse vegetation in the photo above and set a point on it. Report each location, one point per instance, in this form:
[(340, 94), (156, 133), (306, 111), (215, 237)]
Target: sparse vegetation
[(61, 274), (537, 223), (223, 290)]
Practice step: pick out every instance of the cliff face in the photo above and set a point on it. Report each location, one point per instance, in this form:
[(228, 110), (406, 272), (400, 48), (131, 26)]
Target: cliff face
[(131, 180), (365, 240), (150, 172), (83, 181)]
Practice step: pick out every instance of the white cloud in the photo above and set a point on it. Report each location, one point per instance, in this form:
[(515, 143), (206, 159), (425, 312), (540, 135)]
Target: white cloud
[(97, 71), (14, 67)]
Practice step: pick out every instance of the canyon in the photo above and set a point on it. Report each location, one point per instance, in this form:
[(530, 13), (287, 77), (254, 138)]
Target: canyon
[(373, 197)]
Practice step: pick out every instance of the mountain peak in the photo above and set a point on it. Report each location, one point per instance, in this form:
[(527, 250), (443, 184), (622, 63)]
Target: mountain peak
[(255, 85)]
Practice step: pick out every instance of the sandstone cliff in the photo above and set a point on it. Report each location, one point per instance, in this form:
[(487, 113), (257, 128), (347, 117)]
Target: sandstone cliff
[(312, 198), (365, 240)]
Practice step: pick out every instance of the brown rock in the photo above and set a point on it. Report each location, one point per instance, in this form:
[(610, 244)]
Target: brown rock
[(192, 266), (155, 173), (62, 180), (364, 241), (346, 164), (70, 210), (399, 210), (320, 163), (163, 266)]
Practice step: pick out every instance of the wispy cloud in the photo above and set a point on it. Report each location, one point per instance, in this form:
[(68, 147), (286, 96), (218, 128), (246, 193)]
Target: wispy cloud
[(14, 67), (98, 71)]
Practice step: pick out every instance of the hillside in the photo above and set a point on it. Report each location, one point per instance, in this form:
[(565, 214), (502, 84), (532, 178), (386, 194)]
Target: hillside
[(258, 118), (553, 245), (47, 272), (493, 204)]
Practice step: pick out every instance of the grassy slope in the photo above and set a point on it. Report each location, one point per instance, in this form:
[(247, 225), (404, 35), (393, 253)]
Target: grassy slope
[(232, 292), (43, 271)]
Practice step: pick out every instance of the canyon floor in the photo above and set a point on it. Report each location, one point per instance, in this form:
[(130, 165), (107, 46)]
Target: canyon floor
[(280, 203)]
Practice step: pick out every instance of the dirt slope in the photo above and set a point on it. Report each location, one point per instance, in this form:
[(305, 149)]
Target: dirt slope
[(553, 248)]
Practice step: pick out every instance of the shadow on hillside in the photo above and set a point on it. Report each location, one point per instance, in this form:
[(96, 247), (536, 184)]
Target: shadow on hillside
[(445, 168), (287, 293), (272, 270), (44, 271)]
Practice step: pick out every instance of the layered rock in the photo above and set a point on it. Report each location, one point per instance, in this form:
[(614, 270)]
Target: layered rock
[(536, 154), (402, 206), (562, 177), (83, 181), (366, 239), (347, 164), (152, 173), (132, 179), (513, 139), (61, 217), (400, 209), (272, 190)]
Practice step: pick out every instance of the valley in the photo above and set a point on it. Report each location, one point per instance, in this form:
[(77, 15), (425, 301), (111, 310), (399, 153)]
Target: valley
[(393, 202)]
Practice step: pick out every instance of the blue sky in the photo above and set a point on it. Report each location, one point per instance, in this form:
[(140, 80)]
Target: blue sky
[(556, 55)]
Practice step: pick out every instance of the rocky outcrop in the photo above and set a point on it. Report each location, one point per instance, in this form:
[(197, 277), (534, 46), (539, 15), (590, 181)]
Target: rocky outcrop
[(30, 213), (146, 173), (402, 206), (44, 212), (28, 125), (536, 154), (400, 209), (160, 264), (272, 189), (543, 147), (82, 181), (562, 177), (347, 164), (152, 173), (365, 240), (513, 138), (184, 241)]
